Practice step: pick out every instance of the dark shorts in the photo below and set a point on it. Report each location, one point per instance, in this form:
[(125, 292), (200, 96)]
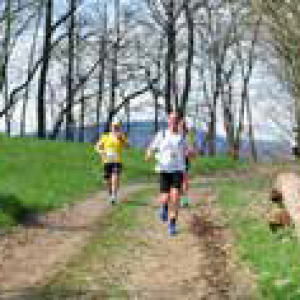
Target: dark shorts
[(112, 168), (170, 180), (187, 164)]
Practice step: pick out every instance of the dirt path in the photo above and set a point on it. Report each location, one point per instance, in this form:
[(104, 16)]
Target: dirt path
[(199, 263), (33, 254)]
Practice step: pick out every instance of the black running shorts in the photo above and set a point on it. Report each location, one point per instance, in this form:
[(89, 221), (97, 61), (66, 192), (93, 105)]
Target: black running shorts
[(170, 180), (110, 168)]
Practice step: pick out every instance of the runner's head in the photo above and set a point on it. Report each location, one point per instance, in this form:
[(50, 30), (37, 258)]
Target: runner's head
[(173, 119), (182, 126), (115, 126)]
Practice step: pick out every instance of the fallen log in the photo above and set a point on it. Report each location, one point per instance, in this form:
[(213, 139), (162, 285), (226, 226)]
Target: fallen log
[(285, 194)]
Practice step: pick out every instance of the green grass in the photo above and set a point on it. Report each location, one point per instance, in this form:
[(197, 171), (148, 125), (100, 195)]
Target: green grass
[(273, 257), (42, 175), (37, 176), (211, 165)]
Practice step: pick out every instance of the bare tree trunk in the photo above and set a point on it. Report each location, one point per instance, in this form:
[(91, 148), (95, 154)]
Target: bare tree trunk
[(79, 76), (102, 50), (229, 120), (29, 68), (211, 135), (253, 149), (6, 43), (114, 67), (213, 111), (189, 63), (52, 102), (240, 128), (170, 56), (155, 94), (156, 126), (82, 116), (4, 73), (246, 75), (41, 109), (8, 116), (216, 60), (70, 81), (296, 149), (127, 113)]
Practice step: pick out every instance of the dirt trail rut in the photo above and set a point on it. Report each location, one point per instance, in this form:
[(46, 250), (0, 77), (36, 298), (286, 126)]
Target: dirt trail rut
[(199, 263), (33, 254)]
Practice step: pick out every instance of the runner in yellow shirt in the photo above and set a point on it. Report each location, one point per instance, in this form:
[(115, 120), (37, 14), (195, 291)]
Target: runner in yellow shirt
[(110, 147)]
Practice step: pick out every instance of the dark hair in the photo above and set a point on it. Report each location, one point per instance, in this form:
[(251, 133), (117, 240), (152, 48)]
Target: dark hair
[(180, 115), (106, 127), (296, 151)]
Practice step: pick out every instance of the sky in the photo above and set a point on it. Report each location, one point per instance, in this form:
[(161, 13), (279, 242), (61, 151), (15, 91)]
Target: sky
[(263, 88)]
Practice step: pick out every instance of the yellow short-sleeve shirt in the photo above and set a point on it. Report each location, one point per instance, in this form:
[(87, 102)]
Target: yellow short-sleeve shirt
[(112, 147)]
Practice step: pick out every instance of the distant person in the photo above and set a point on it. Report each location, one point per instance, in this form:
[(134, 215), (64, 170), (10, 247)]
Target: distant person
[(170, 148), (189, 137), (110, 147)]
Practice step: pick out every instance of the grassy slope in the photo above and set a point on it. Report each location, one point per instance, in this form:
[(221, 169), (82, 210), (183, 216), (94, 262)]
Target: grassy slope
[(40, 175)]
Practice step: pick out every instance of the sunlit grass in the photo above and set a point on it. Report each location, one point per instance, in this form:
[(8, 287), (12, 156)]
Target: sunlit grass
[(274, 257)]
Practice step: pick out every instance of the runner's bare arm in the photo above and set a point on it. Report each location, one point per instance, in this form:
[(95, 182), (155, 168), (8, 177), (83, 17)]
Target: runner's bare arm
[(152, 147), (99, 148), (148, 154), (190, 150), (191, 145), (191, 153), (124, 140)]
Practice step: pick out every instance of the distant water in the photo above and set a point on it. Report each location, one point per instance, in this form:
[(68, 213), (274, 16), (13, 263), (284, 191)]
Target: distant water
[(140, 134)]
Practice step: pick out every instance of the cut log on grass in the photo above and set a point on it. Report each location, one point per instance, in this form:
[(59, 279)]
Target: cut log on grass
[(278, 218), (286, 195)]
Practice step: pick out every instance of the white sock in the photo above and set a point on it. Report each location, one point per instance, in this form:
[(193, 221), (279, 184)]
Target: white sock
[(114, 195)]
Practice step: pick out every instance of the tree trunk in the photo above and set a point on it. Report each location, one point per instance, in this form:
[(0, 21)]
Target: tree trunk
[(245, 93), (101, 83), (190, 57), (211, 135), (296, 149), (252, 145), (82, 116), (155, 90), (156, 114), (228, 121), (127, 112), (41, 109), (114, 67), (8, 116), (170, 56), (29, 68), (70, 82), (6, 49)]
